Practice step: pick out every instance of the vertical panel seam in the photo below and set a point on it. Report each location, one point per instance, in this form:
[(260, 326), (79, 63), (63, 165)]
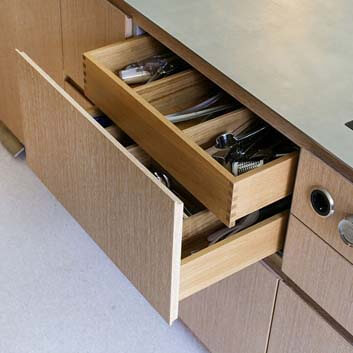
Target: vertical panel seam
[(272, 317)]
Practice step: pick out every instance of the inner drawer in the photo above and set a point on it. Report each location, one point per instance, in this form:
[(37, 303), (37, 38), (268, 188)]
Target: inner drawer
[(140, 112)]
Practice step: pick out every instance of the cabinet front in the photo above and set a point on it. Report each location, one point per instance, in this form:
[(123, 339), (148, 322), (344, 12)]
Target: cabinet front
[(234, 315), (321, 272), (298, 328)]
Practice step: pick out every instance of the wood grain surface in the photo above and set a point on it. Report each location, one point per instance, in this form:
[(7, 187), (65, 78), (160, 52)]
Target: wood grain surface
[(33, 26), (204, 134), (77, 95), (312, 173), (202, 223), (227, 196), (176, 92), (298, 328), (118, 55), (133, 218), (218, 261), (265, 185), (235, 314), (320, 271), (86, 25)]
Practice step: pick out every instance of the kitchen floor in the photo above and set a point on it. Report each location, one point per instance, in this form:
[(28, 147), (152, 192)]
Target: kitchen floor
[(59, 293)]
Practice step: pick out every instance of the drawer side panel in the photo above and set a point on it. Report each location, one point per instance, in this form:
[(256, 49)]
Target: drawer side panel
[(197, 171)]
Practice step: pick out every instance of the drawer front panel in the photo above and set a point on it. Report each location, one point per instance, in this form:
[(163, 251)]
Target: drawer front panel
[(298, 328), (313, 173), (238, 251), (133, 218), (320, 271), (235, 314)]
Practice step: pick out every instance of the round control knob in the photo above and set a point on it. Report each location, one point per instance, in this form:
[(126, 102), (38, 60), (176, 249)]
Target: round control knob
[(322, 202), (345, 227)]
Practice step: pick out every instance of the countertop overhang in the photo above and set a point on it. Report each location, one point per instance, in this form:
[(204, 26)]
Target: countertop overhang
[(289, 62)]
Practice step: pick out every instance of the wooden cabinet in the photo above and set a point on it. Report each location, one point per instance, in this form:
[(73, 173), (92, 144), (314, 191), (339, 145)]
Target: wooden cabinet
[(227, 296), (298, 328), (86, 25), (320, 271), (33, 26), (234, 315)]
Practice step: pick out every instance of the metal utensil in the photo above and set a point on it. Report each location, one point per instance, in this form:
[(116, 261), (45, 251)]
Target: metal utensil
[(229, 139), (243, 223)]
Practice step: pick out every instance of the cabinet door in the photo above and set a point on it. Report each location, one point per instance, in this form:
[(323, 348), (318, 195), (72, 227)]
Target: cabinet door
[(320, 272), (86, 25), (33, 26), (298, 328), (234, 315)]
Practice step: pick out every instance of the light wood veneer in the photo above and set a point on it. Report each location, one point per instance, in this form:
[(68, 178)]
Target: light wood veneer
[(235, 314), (89, 24), (33, 26), (312, 172), (136, 220), (137, 113), (298, 328), (320, 272)]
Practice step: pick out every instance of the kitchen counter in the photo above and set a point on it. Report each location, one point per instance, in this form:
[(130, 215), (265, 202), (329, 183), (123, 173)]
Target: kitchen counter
[(295, 57)]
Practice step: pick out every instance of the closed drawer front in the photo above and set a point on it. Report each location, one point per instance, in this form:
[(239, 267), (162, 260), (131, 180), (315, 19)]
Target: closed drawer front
[(235, 314), (314, 174), (320, 271), (298, 328), (140, 112), (89, 24), (134, 218)]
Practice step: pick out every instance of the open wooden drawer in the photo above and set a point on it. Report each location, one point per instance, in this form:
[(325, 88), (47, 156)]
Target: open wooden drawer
[(140, 113), (134, 218)]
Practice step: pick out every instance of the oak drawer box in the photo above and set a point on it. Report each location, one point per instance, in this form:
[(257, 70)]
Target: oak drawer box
[(319, 271), (139, 112), (133, 217), (313, 174)]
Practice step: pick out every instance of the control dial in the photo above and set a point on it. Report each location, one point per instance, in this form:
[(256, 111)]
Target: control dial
[(322, 202), (345, 228)]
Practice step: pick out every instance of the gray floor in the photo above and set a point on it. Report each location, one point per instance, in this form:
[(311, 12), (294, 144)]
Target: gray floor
[(59, 293)]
